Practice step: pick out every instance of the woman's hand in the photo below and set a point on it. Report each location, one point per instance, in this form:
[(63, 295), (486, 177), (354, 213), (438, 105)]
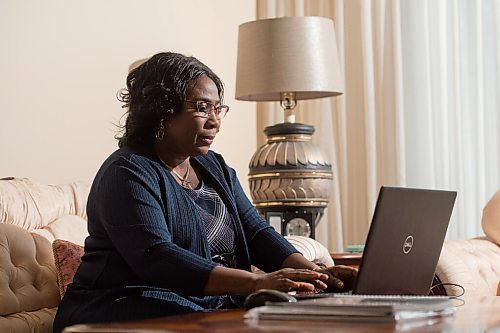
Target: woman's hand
[(288, 279), (340, 278)]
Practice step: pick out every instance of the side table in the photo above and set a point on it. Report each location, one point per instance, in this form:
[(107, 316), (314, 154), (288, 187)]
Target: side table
[(347, 258)]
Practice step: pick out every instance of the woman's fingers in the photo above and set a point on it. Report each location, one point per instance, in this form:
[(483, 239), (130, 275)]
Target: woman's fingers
[(303, 274), (320, 284), (340, 276), (288, 279), (337, 282), (299, 286), (345, 272), (305, 280)]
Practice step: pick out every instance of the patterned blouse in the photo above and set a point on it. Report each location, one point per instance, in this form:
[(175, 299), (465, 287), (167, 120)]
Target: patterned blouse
[(218, 222)]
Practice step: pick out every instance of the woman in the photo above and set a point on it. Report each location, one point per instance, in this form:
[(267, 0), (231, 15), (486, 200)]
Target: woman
[(170, 228)]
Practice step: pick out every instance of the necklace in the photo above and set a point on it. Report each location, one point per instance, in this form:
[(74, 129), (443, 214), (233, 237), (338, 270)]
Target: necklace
[(184, 179)]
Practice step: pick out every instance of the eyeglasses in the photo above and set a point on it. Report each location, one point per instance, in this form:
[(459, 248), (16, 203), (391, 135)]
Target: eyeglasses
[(204, 108)]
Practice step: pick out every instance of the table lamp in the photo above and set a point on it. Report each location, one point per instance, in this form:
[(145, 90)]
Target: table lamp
[(289, 59)]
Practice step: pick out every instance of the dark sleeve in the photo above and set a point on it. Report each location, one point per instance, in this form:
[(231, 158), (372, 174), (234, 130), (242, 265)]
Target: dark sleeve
[(131, 212), (268, 249)]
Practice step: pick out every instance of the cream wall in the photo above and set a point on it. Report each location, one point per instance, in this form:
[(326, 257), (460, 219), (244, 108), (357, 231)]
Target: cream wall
[(62, 62)]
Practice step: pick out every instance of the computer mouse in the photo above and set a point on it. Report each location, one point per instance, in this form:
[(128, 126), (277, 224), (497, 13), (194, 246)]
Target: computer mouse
[(262, 296)]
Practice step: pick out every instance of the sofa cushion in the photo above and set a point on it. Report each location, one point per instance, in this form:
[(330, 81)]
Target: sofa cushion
[(471, 263), (39, 321), (30, 205), (67, 257), (491, 218), (72, 228), (27, 275)]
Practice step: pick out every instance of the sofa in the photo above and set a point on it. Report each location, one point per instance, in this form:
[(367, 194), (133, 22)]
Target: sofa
[(474, 263), (35, 217), (35, 222), (32, 216)]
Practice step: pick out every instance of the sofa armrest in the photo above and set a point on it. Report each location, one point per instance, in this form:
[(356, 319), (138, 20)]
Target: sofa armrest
[(312, 250), (491, 218), (474, 264)]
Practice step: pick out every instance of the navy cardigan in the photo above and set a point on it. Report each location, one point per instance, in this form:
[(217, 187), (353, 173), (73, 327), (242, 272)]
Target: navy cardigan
[(146, 232)]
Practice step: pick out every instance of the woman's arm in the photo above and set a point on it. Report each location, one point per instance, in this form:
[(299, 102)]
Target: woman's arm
[(269, 250), (128, 206), (297, 260)]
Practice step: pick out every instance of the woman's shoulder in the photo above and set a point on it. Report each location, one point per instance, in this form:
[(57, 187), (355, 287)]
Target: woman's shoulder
[(133, 161), (127, 165), (130, 156)]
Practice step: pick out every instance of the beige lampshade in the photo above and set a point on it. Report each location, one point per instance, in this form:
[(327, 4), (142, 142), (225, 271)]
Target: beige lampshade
[(136, 64), (288, 54)]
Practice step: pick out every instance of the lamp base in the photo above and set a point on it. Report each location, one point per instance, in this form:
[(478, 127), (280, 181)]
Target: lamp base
[(294, 221), (290, 178)]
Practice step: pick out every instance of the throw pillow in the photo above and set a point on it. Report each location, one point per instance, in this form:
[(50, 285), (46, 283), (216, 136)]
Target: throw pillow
[(67, 258)]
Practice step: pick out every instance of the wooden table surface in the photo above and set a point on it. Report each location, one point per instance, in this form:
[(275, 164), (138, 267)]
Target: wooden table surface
[(347, 258), (481, 314)]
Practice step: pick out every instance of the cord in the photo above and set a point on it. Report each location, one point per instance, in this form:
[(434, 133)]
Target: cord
[(450, 284)]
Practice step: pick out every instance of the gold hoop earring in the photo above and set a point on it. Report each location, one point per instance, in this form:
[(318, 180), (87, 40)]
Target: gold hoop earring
[(160, 132)]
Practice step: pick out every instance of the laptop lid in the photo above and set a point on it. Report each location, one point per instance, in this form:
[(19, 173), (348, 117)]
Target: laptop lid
[(404, 241)]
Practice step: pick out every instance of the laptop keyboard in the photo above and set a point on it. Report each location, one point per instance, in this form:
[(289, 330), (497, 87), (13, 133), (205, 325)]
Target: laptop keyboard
[(374, 297)]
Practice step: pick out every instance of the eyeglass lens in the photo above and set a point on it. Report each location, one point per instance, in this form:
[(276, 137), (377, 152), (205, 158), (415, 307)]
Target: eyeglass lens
[(205, 108)]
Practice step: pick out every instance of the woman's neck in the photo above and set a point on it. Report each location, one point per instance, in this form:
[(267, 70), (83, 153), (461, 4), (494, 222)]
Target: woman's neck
[(180, 168), (171, 159), (174, 163)]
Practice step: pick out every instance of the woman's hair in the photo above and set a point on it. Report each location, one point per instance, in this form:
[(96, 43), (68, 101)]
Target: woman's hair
[(156, 91)]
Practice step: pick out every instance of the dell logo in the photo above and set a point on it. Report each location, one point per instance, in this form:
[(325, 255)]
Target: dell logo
[(408, 244)]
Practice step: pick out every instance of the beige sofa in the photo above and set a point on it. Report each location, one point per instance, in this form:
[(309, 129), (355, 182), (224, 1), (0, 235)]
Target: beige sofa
[(474, 263), (32, 216)]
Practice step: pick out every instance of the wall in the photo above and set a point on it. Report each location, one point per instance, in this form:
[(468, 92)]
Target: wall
[(62, 62)]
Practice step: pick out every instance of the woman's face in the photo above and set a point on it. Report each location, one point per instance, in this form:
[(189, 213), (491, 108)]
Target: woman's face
[(190, 133)]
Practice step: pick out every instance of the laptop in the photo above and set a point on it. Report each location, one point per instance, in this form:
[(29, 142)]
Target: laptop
[(404, 242)]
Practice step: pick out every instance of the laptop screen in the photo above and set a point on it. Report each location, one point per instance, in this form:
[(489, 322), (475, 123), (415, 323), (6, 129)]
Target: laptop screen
[(404, 241)]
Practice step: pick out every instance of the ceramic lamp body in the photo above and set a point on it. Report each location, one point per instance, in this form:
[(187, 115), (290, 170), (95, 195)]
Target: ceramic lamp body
[(290, 174)]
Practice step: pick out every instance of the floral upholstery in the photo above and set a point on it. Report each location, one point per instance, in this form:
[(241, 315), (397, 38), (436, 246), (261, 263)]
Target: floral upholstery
[(67, 257)]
